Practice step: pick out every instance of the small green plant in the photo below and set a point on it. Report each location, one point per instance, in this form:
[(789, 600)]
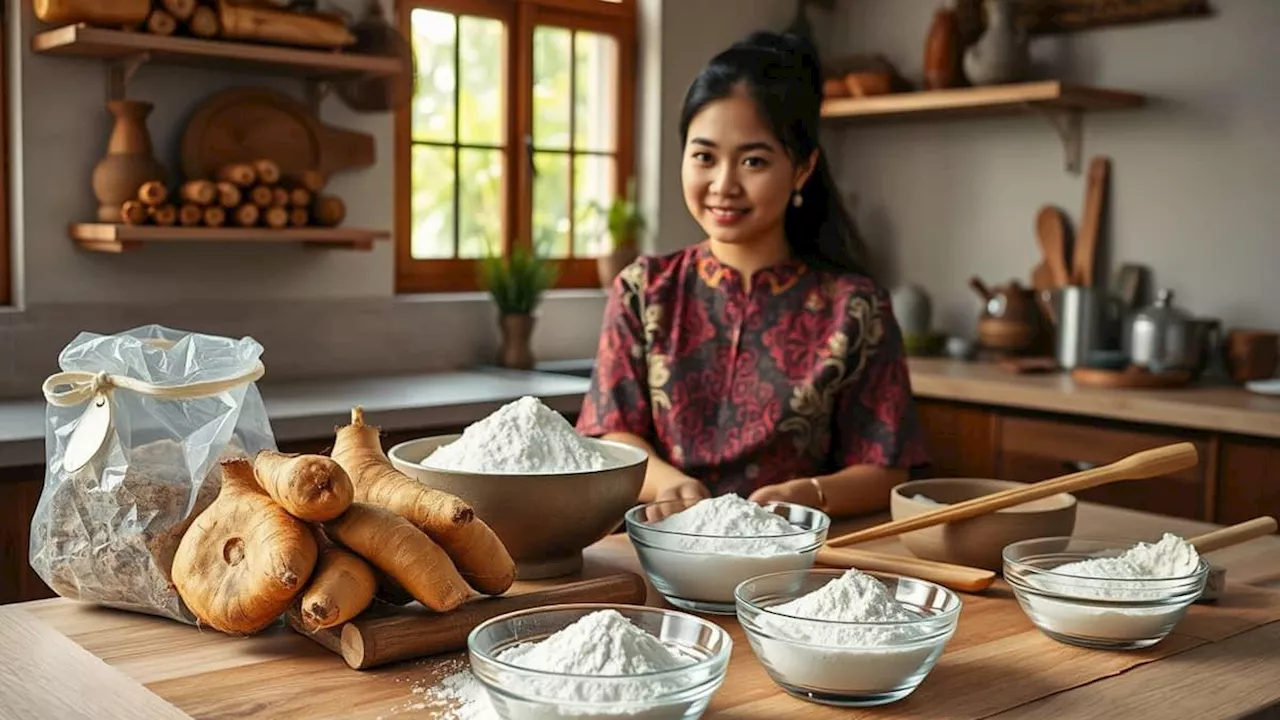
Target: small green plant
[(622, 218), (517, 281)]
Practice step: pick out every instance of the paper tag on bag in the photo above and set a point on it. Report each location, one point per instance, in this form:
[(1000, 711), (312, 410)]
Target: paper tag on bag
[(92, 430)]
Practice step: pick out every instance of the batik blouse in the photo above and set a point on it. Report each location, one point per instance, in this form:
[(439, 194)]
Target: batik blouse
[(802, 375)]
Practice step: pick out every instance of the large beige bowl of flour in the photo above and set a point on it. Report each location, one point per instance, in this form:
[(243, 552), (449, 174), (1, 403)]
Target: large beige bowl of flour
[(545, 519)]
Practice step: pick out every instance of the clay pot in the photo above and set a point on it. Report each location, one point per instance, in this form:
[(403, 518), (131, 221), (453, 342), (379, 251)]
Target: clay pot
[(1252, 354), (608, 266), (129, 161), (517, 351), (942, 51)]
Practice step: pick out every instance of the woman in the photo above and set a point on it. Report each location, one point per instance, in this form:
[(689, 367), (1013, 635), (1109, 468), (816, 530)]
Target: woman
[(763, 361)]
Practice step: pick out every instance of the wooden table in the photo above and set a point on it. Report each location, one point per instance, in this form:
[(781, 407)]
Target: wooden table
[(61, 659)]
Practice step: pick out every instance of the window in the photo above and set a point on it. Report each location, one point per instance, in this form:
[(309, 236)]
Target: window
[(521, 119)]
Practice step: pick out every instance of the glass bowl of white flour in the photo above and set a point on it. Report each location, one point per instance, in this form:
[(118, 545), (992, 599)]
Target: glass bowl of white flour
[(599, 661), (1103, 593), (845, 637), (696, 552)]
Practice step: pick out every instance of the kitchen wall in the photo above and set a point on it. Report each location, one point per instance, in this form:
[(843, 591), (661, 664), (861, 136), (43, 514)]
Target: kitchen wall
[(318, 313), (1194, 173)]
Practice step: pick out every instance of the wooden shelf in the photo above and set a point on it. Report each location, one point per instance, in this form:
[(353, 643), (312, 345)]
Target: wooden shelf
[(1061, 104), (110, 238), (137, 47)]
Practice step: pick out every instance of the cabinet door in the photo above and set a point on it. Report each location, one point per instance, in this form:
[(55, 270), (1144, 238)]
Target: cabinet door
[(961, 439), (1034, 449), (18, 498), (1248, 480)]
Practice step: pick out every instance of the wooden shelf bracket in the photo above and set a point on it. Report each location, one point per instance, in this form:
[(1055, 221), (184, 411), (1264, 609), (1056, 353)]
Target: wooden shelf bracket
[(120, 73), (1068, 123)]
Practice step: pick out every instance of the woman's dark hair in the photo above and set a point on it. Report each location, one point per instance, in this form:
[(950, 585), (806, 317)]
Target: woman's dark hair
[(781, 73)]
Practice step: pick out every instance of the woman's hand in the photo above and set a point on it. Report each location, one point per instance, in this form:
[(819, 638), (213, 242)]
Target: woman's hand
[(683, 488), (800, 491)]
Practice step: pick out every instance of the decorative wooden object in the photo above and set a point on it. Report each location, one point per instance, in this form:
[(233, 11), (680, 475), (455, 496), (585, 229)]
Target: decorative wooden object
[(162, 23), (942, 51), (181, 10), (200, 192), (204, 23), (243, 21), (229, 195), (116, 13), (330, 211), (164, 215), (129, 161), (1058, 16)]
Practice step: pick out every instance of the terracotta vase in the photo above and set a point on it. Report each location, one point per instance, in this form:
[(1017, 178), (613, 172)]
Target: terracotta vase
[(129, 161), (608, 266), (942, 51), (516, 352)]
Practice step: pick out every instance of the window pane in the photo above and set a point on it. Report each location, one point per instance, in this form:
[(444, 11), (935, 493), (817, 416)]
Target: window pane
[(595, 92), (593, 181), (432, 222), (480, 209), (434, 37), (551, 91), (480, 102), (551, 204)]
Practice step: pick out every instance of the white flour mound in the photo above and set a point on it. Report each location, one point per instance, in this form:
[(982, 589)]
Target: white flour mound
[(524, 436), (603, 643), (854, 597), (743, 528)]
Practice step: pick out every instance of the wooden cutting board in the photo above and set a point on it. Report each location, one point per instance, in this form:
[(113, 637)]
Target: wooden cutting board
[(245, 124)]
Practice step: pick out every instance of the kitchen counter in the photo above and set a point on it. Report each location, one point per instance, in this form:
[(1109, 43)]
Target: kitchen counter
[(57, 654), (306, 410), (1223, 408)]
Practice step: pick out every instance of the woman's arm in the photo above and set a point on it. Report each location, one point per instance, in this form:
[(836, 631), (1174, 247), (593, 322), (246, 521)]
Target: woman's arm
[(662, 480), (855, 490)]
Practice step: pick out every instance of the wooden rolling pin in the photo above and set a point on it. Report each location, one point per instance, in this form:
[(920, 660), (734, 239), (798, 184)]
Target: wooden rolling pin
[(956, 577), (390, 634), (1234, 534), (1146, 464)]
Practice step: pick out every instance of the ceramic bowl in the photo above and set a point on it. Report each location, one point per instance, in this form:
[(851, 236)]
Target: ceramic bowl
[(977, 542), (544, 520)]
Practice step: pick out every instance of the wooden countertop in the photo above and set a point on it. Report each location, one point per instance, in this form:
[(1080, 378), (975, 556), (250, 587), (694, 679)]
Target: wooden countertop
[(1215, 408), (63, 659)]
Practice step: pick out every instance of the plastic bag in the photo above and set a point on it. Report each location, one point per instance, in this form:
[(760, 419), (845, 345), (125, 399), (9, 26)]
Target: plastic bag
[(136, 427)]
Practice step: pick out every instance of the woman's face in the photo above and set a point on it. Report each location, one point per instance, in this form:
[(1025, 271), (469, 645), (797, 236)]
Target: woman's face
[(737, 177)]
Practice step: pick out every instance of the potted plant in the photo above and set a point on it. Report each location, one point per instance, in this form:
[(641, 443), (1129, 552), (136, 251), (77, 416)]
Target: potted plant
[(516, 284), (623, 224)]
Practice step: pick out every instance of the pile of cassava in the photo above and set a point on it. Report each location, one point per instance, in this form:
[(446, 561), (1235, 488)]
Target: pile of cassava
[(324, 535)]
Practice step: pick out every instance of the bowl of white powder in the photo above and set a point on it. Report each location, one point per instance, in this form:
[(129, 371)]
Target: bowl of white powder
[(696, 552), (546, 491), (1100, 593), (845, 637), (588, 661)]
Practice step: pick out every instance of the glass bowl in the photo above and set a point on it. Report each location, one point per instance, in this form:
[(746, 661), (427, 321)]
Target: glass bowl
[(699, 572), (518, 693), (852, 664), (1093, 612)]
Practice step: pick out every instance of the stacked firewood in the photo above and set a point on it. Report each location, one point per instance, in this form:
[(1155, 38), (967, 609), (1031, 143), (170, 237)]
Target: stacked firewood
[(172, 17), (249, 194)]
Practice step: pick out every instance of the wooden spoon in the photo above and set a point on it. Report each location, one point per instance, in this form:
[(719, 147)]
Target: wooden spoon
[(1146, 464), (1087, 242), (1051, 233)]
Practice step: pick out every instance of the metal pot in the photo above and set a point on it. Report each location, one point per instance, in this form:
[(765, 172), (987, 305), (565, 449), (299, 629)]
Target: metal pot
[(1164, 337)]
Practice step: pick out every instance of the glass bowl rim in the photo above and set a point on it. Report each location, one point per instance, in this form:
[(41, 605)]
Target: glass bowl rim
[(1202, 565), (945, 617), (823, 522)]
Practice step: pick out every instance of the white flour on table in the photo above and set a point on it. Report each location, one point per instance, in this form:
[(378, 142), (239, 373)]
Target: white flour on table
[(524, 436)]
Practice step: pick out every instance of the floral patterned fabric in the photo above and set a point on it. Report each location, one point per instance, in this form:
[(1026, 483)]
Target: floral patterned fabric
[(803, 375)]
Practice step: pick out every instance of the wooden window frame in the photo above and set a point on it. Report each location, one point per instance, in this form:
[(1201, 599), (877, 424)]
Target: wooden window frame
[(521, 18), (6, 280)]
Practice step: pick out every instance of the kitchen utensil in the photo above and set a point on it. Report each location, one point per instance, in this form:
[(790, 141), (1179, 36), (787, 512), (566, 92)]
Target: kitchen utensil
[(1151, 463), (1206, 341), (1132, 377), (386, 633), (247, 124), (1130, 286), (1051, 234), (1163, 337), (956, 577), (375, 36), (1252, 354), (545, 531), (1000, 56), (976, 542), (1086, 245), (1086, 319), (1234, 534), (913, 309), (1010, 318)]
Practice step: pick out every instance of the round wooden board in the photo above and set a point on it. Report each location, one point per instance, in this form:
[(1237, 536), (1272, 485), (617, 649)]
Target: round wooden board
[(1131, 377)]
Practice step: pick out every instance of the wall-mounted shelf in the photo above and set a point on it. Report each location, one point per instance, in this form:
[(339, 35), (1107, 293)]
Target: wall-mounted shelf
[(1061, 104), (110, 238)]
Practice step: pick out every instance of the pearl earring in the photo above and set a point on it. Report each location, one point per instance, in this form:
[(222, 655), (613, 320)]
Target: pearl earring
[(797, 199)]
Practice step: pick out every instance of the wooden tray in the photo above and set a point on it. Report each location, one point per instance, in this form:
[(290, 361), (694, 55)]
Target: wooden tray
[(245, 124), (1131, 377)]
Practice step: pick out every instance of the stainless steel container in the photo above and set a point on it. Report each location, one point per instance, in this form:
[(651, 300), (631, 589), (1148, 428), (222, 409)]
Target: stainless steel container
[(1087, 319), (1164, 337)]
